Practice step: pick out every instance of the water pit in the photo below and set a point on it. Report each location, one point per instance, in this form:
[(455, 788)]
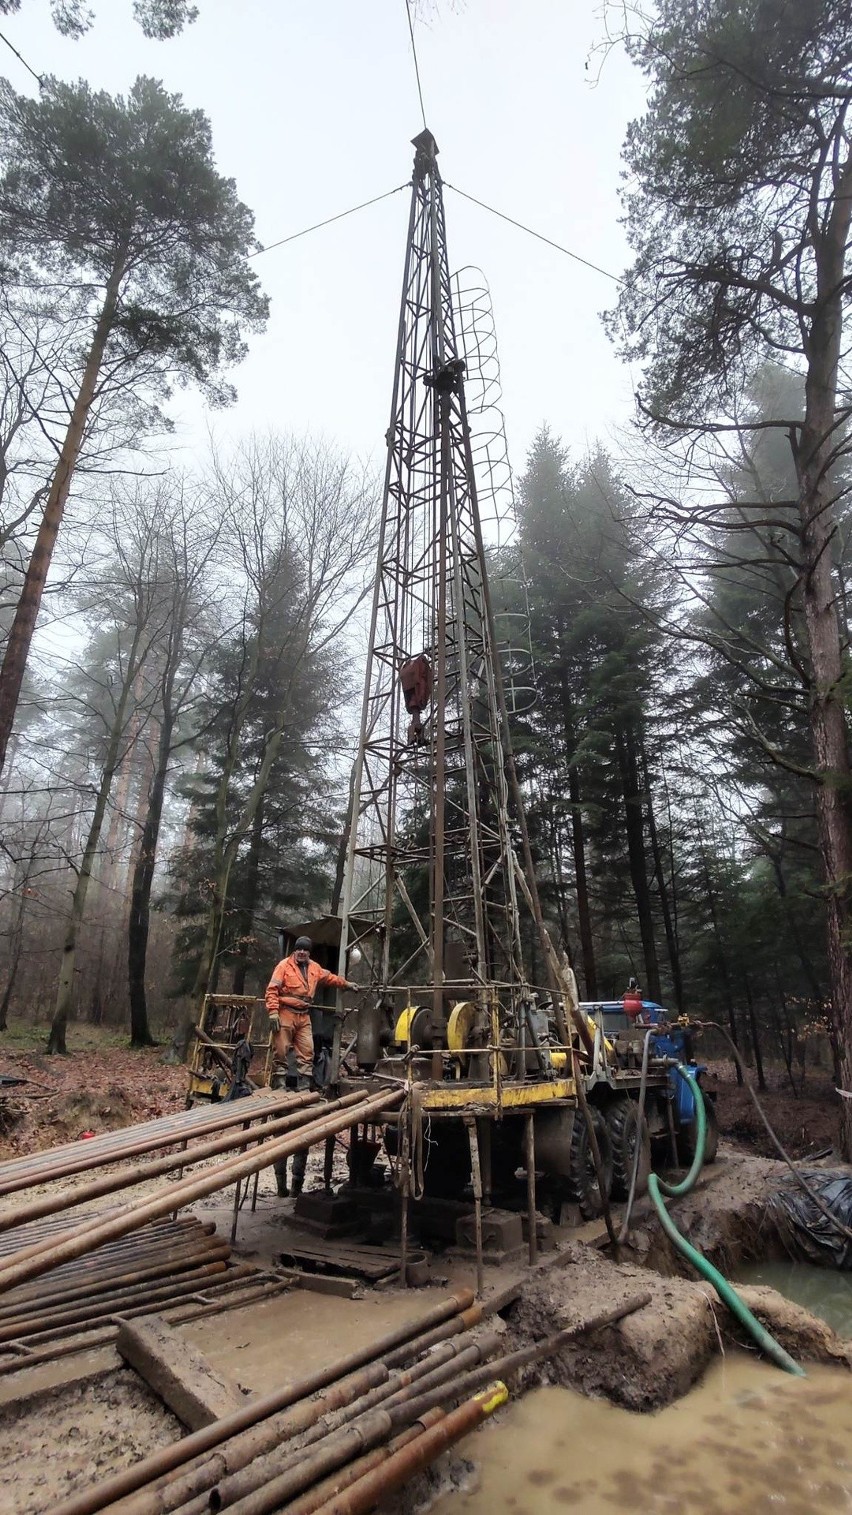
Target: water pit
[(749, 1439), (823, 1291)]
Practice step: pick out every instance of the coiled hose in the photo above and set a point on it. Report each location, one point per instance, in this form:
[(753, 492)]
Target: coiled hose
[(657, 1187)]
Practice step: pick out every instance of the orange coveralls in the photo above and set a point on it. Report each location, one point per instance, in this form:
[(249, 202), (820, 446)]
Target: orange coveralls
[(289, 994)]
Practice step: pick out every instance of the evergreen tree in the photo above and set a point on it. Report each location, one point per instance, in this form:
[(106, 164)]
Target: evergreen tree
[(739, 211), (596, 672), (161, 239)]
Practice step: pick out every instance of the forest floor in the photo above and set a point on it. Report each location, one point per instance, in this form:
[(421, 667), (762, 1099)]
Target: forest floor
[(99, 1086), (806, 1124)]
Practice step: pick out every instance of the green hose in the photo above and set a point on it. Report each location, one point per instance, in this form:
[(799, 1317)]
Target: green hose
[(726, 1292)]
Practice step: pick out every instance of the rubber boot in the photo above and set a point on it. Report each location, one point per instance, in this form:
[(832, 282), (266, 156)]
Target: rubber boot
[(281, 1178), (300, 1159), (300, 1163)]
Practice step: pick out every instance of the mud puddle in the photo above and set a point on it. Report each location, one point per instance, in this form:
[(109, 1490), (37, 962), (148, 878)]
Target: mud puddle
[(747, 1439), (265, 1345), (823, 1291)]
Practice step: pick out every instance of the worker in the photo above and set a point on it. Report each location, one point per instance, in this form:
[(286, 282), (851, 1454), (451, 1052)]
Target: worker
[(289, 996)]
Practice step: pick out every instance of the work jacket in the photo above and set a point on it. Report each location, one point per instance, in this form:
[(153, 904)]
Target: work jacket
[(290, 989)]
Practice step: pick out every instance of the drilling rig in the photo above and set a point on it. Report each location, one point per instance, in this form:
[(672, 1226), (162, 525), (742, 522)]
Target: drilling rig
[(440, 906)]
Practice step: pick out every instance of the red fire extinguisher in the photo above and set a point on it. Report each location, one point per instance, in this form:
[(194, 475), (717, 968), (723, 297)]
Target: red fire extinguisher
[(631, 1000)]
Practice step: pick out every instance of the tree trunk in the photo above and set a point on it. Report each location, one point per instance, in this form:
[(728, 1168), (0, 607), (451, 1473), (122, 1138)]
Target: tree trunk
[(249, 903), (662, 887), (723, 961), (755, 1035), (140, 889), (785, 1034), (29, 603), (65, 994), (578, 839), (813, 457), (14, 964), (635, 830)]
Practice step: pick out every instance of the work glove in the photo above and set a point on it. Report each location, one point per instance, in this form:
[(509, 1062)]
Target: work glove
[(350, 985), (275, 1022)]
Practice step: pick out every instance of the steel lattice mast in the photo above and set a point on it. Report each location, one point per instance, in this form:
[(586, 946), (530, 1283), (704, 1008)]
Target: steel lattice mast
[(430, 797)]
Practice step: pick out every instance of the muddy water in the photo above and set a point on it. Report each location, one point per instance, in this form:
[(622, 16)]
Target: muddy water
[(748, 1440), (263, 1346), (823, 1291)]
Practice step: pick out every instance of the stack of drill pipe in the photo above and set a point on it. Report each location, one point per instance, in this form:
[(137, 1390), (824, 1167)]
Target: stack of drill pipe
[(352, 1431), (163, 1267), (133, 1141), (52, 1203), (312, 1125)]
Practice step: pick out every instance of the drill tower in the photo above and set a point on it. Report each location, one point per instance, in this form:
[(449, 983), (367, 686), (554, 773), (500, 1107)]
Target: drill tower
[(432, 890)]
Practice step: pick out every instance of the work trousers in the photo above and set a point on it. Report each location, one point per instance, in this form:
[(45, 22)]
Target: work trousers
[(294, 1031)]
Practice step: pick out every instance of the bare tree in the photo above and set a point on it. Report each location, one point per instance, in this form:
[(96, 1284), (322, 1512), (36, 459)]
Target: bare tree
[(133, 612), (299, 521), (189, 537)]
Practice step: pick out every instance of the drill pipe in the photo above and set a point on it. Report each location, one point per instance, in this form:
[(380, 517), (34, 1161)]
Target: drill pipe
[(133, 1141), (87, 1283), (329, 1488), (228, 1472), (419, 1371), (158, 1232), (505, 1367), (44, 1322), (167, 1264), (140, 1304), (113, 1261), (155, 1469), (434, 1439), (275, 1457), (361, 1436), (464, 1321), (216, 1299), (110, 1183), (30, 1262)]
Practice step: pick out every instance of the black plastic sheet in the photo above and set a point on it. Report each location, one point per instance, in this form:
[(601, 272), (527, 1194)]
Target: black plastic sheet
[(807, 1234)]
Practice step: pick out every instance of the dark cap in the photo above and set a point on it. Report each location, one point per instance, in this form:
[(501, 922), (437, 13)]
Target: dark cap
[(303, 944)]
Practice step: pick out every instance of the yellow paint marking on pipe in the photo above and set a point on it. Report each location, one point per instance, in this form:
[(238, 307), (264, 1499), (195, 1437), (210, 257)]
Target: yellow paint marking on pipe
[(493, 1397)]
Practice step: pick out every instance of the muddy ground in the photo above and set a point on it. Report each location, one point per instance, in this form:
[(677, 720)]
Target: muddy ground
[(61, 1439), (64, 1437)]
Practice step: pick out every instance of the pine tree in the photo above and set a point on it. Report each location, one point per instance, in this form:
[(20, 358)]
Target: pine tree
[(159, 236)]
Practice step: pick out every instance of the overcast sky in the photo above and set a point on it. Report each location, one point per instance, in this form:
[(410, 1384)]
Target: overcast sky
[(313, 104)]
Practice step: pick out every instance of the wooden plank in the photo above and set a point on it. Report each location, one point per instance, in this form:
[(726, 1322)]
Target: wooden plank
[(339, 1257), (177, 1372)]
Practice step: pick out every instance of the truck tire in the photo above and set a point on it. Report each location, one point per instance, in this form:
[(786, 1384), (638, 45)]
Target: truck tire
[(622, 1118), (686, 1137), (582, 1182)]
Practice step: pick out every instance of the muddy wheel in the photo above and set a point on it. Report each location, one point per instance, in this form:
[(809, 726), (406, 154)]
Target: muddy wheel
[(583, 1183), (622, 1118), (686, 1139)]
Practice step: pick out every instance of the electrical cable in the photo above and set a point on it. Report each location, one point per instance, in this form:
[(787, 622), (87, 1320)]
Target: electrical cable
[(22, 59), (540, 237), (416, 64), (330, 219)]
